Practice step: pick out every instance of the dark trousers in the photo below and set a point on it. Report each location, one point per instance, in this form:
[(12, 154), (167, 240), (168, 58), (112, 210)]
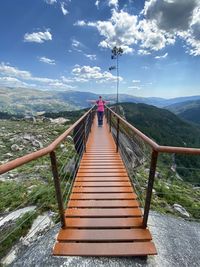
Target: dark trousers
[(100, 117)]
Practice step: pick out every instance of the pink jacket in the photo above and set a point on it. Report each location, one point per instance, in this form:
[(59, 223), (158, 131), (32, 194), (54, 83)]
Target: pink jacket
[(100, 104)]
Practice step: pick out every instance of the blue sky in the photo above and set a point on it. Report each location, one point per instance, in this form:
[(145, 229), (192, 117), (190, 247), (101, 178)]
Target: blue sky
[(66, 45)]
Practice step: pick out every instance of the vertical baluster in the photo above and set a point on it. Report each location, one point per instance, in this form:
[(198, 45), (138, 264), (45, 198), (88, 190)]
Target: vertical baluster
[(117, 138), (152, 171), (110, 119), (84, 134), (57, 188)]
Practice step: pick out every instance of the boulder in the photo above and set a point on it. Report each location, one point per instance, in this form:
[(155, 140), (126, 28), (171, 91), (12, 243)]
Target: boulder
[(15, 147), (181, 210), (27, 137), (37, 143)]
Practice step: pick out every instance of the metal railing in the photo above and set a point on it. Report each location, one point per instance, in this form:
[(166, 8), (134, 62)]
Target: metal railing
[(65, 152), (137, 148)]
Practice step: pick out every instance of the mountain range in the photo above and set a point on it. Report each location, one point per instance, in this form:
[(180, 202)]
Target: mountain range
[(167, 129), (24, 100), (187, 110)]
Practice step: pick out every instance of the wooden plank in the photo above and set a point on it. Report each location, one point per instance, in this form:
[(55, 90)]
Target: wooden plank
[(101, 164), (93, 174), (104, 170), (105, 249), (100, 154), (102, 179), (102, 190), (100, 167), (103, 222), (100, 157), (103, 196), (102, 150), (103, 204), (108, 235), (97, 184), (109, 213), (113, 160)]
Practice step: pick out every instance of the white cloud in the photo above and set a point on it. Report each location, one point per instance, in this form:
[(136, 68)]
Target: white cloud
[(194, 46), (80, 23), (63, 8), (136, 81), (10, 81), (178, 19), (91, 57), (38, 37), (76, 43), (161, 24), (77, 46), (134, 87), (47, 60), (13, 75), (88, 73), (97, 3), (51, 2), (162, 57), (14, 72), (120, 30), (143, 52), (152, 38), (113, 3)]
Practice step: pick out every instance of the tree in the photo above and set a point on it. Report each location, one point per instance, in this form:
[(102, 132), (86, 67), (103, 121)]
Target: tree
[(116, 52)]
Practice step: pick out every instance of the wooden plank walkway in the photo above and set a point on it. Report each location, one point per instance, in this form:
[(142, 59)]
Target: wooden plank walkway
[(103, 217)]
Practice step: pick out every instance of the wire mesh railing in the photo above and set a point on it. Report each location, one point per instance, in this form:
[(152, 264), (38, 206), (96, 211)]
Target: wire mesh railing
[(170, 182), (37, 190)]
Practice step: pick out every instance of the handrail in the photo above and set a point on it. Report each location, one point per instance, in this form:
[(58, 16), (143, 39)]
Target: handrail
[(156, 147), (42, 152)]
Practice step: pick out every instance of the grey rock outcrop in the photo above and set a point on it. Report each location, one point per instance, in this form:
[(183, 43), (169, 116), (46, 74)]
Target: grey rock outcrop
[(181, 210), (176, 240), (15, 148)]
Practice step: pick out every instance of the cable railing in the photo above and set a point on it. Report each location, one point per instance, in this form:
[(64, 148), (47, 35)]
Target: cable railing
[(46, 179), (140, 155), (55, 175)]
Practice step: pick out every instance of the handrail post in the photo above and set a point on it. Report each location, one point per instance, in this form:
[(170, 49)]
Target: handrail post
[(117, 138), (90, 121), (110, 119), (84, 133), (106, 114), (57, 188), (152, 171)]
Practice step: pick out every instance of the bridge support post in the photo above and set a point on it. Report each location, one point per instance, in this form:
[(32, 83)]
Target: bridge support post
[(152, 171), (57, 188), (106, 114), (110, 114), (84, 134), (90, 121), (117, 138)]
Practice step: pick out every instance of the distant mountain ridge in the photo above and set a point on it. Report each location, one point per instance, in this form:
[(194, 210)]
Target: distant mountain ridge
[(189, 110), (167, 129), (162, 125), (26, 100)]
